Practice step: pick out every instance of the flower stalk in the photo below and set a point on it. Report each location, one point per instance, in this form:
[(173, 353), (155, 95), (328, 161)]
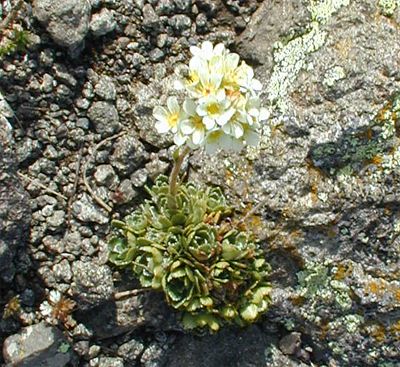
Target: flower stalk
[(173, 179)]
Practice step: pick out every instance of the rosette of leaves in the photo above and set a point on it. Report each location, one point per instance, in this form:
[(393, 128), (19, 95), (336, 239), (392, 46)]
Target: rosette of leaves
[(205, 264)]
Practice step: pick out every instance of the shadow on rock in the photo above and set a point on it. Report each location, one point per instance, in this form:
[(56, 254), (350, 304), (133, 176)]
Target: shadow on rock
[(230, 347)]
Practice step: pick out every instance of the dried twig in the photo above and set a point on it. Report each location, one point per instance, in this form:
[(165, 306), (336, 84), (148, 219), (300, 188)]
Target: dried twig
[(71, 197), (132, 292), (98, 199), (10, 16), (36, 182), (252, 211)]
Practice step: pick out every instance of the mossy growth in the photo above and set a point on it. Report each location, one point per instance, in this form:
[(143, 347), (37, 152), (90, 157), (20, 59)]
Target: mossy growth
[(206, 265), (16, 42)]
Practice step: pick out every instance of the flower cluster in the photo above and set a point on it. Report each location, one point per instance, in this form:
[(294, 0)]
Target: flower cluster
[(222, 107), (196, 253)]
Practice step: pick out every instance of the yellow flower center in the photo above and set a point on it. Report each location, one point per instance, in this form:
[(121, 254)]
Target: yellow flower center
[(197, 122), (173, 119), (213, 108)]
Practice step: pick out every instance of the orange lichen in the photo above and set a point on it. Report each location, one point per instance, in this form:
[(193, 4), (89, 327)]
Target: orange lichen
[(298, 300), (378, 333), (377, 160), (343, 271), (375, 287)]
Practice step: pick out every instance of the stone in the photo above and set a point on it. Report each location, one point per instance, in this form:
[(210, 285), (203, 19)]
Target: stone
[(92, 284), (104, 117), (87, 211), (102, 23), (107, 362), (37, 345), (125, 192), (66, 21), (131, 350), (105, 175), (153, 355), (290, 344), (128, 154), (105, 88), (56, 220), (151, 21), (180, 24)]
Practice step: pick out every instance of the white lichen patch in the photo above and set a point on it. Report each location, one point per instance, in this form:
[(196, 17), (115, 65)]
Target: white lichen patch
[(291, 58), (388, 7), (350, 322), (322, 10), (333, 75)]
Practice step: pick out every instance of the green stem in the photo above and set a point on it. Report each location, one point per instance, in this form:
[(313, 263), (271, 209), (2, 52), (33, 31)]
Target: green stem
[(173, 179)]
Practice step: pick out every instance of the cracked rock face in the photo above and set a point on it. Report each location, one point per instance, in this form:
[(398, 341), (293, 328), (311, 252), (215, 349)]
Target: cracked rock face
[(15, 212), (37, 345)]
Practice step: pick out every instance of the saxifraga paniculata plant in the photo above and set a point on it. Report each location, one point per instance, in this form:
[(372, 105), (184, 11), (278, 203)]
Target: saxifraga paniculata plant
[(184, 240)]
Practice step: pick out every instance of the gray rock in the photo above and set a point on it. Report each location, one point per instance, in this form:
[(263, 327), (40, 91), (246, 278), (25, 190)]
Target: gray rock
[(156, 167), (156, 55), (149, 96), (56, 220), (66, 21), (62, 271), (290, 344), (102, 23), (128, 154), (87, 211), (153, 356), (165, 7), (104, 117), (131, 350), (151, 21), (37, 345), (105, 88), (92, 283), (107, 362), (62, 75), (139, 177), (125, 192), (105, 175), (180, 24), (183, 6)]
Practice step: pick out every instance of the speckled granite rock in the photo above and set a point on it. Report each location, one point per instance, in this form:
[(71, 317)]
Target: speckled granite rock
[(66, 21), (327, 172), (37, 345)]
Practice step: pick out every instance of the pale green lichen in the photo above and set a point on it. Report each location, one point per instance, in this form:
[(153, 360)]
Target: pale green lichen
[(388, 7), (316, 284), (352, 323), (322, 10), (291, 57), (333, 75)]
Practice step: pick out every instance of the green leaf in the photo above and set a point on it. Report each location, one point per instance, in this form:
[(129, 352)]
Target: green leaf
[(249, 313)]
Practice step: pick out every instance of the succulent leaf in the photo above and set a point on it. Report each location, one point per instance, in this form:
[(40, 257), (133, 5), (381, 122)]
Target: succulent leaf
[(207, 267)]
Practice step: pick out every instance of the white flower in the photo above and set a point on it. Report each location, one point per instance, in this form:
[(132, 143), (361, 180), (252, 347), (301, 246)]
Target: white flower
[(222, 108), (168, 119), (207, 51), (193, 127), (54, 296), (215, 109), (45, 309)]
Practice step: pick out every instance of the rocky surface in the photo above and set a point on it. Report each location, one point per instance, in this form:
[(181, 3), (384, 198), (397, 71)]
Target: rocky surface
[(80, 133), (37, 345)]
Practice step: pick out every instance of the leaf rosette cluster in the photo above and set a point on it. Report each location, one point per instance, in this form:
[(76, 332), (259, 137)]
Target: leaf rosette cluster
[(207, 266)]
